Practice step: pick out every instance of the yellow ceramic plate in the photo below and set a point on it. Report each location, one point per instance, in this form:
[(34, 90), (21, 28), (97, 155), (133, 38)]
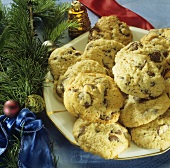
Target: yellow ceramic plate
[(64, 121)]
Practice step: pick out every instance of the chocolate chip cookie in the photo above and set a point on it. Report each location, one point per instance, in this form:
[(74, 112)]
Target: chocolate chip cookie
[(61, 58), (103, 51), (111, 28), (105, 140), (93, 97), (154, 54), (154, 135), (136, 75), (160, 39), (84, 66), (137, 111)]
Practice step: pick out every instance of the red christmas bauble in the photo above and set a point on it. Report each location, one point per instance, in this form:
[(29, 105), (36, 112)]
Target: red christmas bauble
[(11, 108)]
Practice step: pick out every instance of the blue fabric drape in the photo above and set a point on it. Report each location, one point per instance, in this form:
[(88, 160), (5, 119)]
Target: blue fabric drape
[(35, 148)]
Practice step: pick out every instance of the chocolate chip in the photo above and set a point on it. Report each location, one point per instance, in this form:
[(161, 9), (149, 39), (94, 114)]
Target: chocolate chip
[(141, 65), (152, 84), (91, 85), (75, 90), (155, 56), (145, 91), (134, 46), (97, 130), (118, 132), (105, 117), (105, 102), (105, 92), (105, 64), (77, 54), (139, 100), (82, 130), (64, 59), (113, 138), (107, 51), (165, 54), (72, 47), (123, 30), (112, 131), (152, 74), (87, 104), (70, 52), (86, 98), (113, 113), (55, 58)]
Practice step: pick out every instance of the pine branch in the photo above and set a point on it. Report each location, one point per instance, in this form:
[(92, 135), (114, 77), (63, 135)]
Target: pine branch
[(59, 30), (43, 8), (55, 26), (10, 157), (54, 15), (15, 91), (1, 11), (3, 38), (24, 83), (23, 59)]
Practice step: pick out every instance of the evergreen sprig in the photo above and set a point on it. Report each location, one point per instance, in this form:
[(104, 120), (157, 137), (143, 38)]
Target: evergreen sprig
[(59, 30), (23, 58), (10, 157)]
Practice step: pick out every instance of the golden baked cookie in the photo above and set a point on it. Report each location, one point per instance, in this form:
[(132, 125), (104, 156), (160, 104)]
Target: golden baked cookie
[(94, 97), (159, 38), (83, 66), (111, 28), (154, 135), (105, 140), (138, 111), (103, 51), (136, 75), (154, 54), (61, 58)]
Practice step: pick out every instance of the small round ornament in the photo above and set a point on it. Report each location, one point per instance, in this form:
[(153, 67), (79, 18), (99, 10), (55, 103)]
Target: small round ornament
[(35, 103), (11, 108), (50, 45)]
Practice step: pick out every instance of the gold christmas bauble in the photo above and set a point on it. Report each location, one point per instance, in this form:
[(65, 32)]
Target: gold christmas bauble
[(35, 103)]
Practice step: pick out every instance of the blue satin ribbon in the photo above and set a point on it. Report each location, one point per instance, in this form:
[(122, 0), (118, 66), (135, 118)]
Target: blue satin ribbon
[(35, 148)]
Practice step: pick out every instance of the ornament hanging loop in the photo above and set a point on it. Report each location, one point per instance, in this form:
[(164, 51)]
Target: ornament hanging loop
[(76, 5)]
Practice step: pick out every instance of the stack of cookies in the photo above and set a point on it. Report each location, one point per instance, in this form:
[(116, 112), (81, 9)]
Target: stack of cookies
[(117, 89), (141, 71)]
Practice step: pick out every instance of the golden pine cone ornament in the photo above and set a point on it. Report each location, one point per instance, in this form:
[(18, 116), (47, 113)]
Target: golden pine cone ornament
[(79, 14), (35, 103)]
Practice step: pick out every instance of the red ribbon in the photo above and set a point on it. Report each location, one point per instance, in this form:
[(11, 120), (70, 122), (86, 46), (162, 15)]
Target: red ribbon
[(111, 7)]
